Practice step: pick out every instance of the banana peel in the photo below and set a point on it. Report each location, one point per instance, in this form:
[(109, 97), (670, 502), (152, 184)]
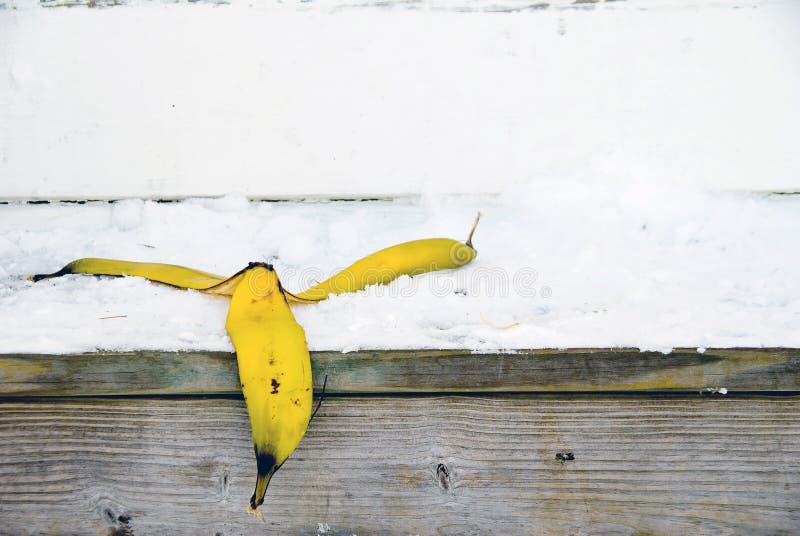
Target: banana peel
[(271, 349), (409, 258), (274, 370)]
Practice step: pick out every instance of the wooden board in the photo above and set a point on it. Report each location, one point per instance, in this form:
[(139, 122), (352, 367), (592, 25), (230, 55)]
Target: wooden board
[(399, 465), (420, 371)]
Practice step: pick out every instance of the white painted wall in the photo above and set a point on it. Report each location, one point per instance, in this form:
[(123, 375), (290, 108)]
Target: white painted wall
[(167, 100)]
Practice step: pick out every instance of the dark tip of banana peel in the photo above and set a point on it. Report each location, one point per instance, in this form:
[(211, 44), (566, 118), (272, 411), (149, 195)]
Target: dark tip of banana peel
[(39, 277), (261, 265), (266, 465), (268, 267)]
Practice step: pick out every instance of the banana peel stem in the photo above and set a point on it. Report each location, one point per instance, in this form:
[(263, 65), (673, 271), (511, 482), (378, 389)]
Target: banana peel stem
[(472, 231)]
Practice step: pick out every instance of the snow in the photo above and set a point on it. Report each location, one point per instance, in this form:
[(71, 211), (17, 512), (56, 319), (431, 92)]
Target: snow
[(714, 391), (616, 149), (559, 265), (272, 99)]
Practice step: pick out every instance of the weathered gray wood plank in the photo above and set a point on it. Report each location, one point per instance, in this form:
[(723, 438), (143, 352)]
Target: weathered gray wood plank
[(739, 369), (398, 465)]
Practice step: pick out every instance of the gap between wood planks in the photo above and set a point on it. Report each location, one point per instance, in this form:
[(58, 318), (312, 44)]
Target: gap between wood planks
[(510, 395)]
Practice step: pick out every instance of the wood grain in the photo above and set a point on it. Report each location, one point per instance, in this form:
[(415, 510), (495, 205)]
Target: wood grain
[(419, 371), (400, 465)]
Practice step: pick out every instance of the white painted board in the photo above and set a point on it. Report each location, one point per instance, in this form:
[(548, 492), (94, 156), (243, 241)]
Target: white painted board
[(272, 100)]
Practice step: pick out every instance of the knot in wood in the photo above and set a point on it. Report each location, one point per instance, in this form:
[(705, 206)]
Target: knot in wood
[(443, 476), (119, 524), (224, 484), (565, 457)]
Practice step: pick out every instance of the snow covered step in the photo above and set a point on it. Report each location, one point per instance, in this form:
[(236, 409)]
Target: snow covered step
[(561, 267), (714, 371)]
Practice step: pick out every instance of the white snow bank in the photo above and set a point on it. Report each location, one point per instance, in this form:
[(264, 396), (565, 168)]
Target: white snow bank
[(575, 267), (272, 99)]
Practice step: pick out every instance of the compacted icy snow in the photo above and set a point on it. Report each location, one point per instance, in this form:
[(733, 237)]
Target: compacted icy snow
[(558, 266)]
